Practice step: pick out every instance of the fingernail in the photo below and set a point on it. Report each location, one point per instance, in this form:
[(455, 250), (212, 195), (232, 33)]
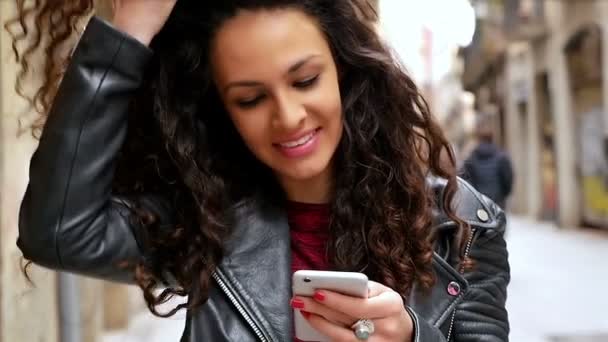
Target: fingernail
[(305, 314), (297, 303), (320, 296)]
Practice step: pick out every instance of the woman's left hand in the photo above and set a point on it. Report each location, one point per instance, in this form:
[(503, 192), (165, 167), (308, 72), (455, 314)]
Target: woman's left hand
[(334, 314)]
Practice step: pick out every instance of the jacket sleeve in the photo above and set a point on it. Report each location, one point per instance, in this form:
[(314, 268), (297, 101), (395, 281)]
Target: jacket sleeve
[(481, 316), (69, 220)]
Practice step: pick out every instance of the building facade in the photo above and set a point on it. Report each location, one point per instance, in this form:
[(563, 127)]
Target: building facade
[(545, 85)]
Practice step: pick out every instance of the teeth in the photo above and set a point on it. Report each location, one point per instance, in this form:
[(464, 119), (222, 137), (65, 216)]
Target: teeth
[(303, 140)]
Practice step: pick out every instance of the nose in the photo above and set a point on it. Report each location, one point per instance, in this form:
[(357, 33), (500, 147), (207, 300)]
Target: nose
[(289, 113)]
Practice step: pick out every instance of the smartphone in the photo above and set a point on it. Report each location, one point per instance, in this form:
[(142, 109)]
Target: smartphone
[(305, 283)]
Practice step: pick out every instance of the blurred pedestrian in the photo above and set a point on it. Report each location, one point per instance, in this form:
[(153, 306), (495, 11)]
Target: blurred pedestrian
[(488, 168), (265, 137)]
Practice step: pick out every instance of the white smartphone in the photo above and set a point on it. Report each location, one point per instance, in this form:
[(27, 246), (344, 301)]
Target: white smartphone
[(305, 283)]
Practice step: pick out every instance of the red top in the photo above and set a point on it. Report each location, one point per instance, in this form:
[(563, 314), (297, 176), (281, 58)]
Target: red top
[(308, 224)]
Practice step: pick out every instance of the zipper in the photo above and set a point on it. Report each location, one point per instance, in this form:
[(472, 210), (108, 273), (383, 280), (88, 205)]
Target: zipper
[(240, 308), (466, 254)]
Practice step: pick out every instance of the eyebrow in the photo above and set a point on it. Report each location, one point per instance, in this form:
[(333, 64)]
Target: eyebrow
[(293, 68), (297, 65)]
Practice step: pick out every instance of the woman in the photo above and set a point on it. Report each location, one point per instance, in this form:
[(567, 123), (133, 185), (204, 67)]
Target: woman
[(215, 148)]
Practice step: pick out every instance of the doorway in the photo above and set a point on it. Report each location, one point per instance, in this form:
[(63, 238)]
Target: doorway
[(584, 58)]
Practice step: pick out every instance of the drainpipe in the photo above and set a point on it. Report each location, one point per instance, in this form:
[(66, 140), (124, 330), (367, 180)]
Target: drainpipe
[(69, 308)]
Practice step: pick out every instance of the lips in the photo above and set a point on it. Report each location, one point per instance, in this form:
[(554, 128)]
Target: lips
[(299, 146), (299, 142)]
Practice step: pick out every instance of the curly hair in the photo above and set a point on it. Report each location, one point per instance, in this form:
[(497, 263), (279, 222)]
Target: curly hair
[(182, 145)]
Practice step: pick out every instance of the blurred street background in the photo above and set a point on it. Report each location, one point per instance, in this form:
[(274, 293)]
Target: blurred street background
[(534, 72)]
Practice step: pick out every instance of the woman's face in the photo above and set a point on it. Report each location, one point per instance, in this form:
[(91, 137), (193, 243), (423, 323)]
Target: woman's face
[(278, 81)]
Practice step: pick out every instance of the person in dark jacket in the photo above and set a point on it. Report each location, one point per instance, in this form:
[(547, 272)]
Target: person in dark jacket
[(489, 168), (213, 148)]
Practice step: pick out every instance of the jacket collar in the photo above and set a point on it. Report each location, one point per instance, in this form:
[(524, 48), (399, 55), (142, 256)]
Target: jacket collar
[(468, 205)]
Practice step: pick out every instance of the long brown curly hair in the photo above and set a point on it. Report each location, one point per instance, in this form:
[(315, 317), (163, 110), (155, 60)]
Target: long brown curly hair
[(182, 145)]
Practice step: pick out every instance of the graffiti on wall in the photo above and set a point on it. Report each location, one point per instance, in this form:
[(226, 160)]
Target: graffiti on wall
[(593, 167)]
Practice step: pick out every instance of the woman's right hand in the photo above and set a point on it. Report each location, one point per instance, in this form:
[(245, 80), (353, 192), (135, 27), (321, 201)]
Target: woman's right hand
[(142, 19)]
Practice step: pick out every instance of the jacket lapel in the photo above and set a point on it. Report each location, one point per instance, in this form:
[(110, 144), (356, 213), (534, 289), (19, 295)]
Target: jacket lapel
[(449, 289), (257, 264)]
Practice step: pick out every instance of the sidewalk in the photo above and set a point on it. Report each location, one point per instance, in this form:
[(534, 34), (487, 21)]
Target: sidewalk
[(146, 327), (558, 284)]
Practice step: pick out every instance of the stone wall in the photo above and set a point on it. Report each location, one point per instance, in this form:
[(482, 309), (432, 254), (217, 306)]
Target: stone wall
[(27, 313)]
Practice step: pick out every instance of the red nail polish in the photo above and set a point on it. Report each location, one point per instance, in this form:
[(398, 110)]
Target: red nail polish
[(305, 314), (320, 296), (297, 304)]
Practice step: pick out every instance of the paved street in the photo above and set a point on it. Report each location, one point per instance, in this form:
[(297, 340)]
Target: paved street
[(558, 291), (559, 283)]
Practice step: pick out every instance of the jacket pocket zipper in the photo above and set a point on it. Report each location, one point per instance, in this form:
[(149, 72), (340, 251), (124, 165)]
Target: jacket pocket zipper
[(239, 307), (466, 254)]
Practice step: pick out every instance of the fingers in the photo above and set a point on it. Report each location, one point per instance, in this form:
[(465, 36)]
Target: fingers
[(333, 314), (376, 288), (383, 302), (311, 306), (331, 330)]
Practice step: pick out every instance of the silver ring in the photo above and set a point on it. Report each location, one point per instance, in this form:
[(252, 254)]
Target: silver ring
[(363, 328)]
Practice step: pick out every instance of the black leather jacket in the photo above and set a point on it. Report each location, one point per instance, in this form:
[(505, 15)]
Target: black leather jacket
[(70, 221)]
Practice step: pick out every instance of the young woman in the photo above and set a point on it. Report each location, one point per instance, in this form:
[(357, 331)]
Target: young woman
[(214, 147)]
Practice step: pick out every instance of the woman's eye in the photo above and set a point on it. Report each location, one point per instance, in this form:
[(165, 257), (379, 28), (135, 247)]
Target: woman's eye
[(309, 82), (249, 103)]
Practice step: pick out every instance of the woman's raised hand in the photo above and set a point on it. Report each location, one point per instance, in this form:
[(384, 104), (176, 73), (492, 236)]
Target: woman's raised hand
[(142, 19)]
